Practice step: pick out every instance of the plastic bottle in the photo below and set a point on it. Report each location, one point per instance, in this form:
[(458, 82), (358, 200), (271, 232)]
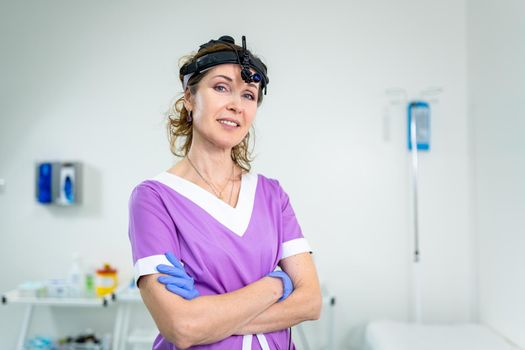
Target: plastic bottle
[(89, 279), (75, 277), (106, 280)]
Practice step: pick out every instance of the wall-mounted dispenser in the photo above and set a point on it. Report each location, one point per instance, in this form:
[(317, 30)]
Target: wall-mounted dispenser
[(44, 183), (58, 183)]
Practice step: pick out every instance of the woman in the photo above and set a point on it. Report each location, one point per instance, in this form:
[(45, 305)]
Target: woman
[(226, 227)]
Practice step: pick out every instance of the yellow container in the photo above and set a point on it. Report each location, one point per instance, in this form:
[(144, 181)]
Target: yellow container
[(105, 280)]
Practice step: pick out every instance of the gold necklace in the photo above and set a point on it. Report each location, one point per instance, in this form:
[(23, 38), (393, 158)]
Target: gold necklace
[(217, 193), (231, 191)]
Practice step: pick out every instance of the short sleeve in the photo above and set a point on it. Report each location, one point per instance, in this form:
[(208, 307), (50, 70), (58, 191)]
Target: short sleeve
[(151, 230), (293, 240)]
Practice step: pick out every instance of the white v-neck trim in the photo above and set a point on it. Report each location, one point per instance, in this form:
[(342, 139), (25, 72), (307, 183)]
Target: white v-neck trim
[(236, 219)]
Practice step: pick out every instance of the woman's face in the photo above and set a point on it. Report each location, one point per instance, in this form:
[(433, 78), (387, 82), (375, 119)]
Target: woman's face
[(224, 106)]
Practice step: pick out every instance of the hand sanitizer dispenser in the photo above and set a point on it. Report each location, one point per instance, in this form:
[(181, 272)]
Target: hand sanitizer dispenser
[(44, 183), (68, 184), (58, 183)]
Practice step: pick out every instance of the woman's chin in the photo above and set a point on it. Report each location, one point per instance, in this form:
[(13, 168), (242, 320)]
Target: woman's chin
[(222, 141)]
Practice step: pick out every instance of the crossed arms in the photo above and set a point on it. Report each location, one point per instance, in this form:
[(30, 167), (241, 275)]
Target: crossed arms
[(249, 310)]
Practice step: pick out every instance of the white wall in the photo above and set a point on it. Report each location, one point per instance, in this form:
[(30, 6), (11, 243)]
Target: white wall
[(496, 33), (90, 81)]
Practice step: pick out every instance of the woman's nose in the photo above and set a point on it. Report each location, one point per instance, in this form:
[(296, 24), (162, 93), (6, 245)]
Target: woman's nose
[(235, 104)]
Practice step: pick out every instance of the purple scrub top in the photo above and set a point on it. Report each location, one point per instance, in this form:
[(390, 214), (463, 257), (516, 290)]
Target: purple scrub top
[(222, 248)]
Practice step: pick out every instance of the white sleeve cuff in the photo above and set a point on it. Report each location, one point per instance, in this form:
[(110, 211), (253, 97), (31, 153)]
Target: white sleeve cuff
[(148, 265), (295, 246)]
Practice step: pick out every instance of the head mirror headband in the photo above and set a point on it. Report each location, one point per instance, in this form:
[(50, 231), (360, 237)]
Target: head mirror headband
[(243, 57)]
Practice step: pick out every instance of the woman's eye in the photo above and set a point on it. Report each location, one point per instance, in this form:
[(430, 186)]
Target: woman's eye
[(220, 88), (249, 96)]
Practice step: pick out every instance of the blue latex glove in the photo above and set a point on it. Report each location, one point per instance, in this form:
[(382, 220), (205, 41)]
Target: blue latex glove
[(178, 281), (287, 283)]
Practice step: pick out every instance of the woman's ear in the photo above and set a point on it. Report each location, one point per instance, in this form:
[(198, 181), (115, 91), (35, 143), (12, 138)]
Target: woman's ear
[(188, 100)]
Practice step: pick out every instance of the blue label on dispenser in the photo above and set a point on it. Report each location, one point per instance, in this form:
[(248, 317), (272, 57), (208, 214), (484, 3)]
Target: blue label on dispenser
[(420, 112)]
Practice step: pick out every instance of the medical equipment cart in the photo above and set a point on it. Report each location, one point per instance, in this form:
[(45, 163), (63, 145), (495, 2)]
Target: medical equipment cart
[(14, 297)]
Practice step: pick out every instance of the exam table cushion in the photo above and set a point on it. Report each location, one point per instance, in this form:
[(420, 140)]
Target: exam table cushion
[(389, 335)]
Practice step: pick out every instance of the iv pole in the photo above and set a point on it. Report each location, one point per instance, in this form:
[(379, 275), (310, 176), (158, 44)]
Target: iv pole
[(416, 269), (416, 254)]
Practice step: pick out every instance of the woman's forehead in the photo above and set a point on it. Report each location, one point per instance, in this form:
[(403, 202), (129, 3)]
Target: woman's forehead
[(230, 70)]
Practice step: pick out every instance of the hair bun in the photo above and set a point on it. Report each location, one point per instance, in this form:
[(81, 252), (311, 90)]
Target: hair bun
[(224, 39), (227, 38)]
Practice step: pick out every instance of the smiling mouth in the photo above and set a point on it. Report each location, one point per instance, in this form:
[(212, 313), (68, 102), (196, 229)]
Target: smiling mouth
[(228, 122)]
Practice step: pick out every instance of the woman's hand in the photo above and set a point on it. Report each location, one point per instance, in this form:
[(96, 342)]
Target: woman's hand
[(304, 304), (287, 283), (178, 281)]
